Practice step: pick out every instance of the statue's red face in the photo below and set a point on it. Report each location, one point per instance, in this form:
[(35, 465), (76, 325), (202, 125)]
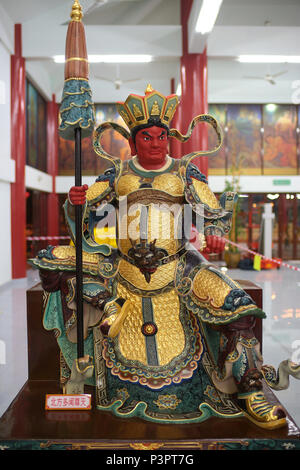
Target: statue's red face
[(151, 147)]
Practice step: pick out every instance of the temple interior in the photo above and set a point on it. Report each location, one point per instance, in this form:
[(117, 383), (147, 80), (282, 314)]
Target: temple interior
[(245, 68)]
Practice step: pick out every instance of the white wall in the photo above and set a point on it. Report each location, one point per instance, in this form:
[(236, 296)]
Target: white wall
[(38, 180), (7, 172)]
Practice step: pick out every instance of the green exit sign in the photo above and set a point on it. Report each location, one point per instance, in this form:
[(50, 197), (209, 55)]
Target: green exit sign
[(282, 182)]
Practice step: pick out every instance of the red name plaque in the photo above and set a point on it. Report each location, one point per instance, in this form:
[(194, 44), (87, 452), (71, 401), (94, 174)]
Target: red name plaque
[(68, 402)]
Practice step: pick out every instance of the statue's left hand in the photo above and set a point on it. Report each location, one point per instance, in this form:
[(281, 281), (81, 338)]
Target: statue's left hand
[(214, 244)]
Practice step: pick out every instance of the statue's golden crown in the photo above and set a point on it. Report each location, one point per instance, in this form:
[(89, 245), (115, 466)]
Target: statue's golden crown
[(137, 110)]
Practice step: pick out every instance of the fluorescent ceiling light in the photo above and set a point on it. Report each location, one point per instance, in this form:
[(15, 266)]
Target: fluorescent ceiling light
[(276, 59), (59, 59), (207, 16), (111, 58)]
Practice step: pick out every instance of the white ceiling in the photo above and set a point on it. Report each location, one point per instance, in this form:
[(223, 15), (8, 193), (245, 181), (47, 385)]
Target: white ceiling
[(153, 27)]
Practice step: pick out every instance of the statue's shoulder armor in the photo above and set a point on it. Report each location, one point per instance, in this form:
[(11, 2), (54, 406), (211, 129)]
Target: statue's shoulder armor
[(198, 192)]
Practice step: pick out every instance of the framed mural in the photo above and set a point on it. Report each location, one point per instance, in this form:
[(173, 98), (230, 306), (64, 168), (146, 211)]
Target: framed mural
[(112, 142), (244, 138), (273, 151), (31, 125), (280, 143), (42, 134), (36, 128)]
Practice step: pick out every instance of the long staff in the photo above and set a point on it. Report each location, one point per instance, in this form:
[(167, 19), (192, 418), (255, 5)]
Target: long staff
[(78, 237), (77, 121)]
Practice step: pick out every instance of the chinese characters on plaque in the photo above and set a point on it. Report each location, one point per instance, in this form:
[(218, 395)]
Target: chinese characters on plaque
[(68, 402)]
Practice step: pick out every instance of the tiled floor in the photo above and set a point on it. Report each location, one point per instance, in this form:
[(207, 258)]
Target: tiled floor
[(281, 334)]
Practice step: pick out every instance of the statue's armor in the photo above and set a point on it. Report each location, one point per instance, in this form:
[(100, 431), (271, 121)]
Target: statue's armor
[(171, 333)]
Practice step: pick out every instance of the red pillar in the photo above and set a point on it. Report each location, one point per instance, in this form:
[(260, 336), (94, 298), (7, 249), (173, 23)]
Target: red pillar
[(194, 92), (18, 152), (52, 167)]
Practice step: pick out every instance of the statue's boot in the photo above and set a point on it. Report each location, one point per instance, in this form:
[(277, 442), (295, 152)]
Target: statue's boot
[(256, 406), (254, 403), (261, 412), (245, 362)]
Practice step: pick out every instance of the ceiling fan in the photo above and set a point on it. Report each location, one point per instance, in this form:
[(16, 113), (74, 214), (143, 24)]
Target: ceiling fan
[(270, 78), (118, 82)]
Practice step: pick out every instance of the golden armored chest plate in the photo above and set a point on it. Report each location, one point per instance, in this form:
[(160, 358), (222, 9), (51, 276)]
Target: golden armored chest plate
[(133, 178)]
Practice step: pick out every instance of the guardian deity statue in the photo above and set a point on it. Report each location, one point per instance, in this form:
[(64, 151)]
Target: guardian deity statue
[(170, 336)]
